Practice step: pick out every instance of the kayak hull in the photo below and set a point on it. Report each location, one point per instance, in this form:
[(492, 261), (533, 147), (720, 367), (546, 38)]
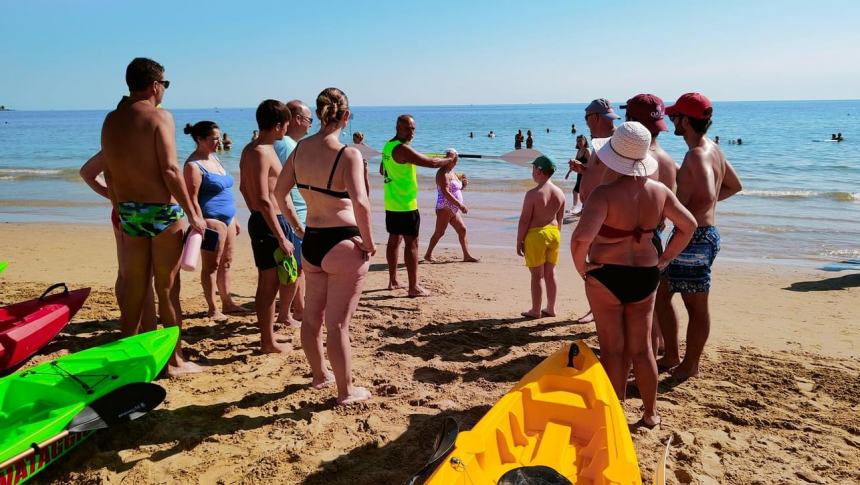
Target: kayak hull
[(565, 418), (38, 403), (28, 326)]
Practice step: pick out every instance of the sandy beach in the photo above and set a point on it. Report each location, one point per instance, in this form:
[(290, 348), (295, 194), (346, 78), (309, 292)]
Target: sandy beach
[(777, 401)]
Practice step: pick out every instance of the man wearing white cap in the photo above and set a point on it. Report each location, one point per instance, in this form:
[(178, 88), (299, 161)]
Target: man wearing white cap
[(704, 178), (613, 253)]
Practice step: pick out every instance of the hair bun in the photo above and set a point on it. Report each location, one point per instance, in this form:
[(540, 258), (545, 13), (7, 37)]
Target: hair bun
[(187, 129)]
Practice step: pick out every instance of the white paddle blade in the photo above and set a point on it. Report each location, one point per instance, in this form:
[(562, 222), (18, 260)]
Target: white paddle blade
[(522, 158), (366, 152), (660, 469)]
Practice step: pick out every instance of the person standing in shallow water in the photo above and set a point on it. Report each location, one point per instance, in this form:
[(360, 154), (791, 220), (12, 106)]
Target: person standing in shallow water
[(529, 140), (400, 190), (149, 195), (705, 177), (338, 242)]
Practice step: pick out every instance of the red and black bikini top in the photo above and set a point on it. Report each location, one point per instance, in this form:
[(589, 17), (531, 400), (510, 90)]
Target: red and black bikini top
[(636, 233)]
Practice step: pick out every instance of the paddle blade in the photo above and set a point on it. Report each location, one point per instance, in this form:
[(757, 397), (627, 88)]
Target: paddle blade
[(660, 470), (521, 157), (444, 444), (127, 403), (366, 152)]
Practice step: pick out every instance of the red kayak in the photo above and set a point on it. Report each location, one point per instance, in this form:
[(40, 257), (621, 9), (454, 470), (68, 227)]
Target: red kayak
[(28, 326)]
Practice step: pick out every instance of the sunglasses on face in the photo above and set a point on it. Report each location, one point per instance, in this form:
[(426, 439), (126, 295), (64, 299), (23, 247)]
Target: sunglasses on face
[(164, 83), (307, 119)]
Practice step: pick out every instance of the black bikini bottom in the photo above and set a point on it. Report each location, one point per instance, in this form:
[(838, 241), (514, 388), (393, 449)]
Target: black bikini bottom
[(628, 283), (318, 241)]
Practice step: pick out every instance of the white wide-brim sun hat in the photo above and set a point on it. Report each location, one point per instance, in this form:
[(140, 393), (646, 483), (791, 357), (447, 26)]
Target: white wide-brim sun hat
[(628, 150)]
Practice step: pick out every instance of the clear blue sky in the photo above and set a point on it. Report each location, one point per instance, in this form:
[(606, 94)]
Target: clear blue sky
[(66, 54)]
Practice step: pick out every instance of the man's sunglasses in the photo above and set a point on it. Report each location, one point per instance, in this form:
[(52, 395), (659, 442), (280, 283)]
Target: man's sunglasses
[(166, 84)]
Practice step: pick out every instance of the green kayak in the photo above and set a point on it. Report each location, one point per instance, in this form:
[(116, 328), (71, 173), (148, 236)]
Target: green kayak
[(38, 403)]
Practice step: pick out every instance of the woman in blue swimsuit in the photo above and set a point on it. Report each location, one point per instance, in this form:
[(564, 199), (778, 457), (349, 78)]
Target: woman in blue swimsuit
[(211, 188)]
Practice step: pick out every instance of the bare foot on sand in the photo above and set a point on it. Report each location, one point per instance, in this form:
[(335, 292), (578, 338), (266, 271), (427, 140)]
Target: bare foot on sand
[(184, 367), (682, 373), (664, 364), (233, 309), (357, 394), (471, 259), (650, 421), (276, 348), (587, 318), (418, 291), (394, 285), (529, 314), (429, 258), (217, 316), (546, 312), (289, 322), (326, 382)]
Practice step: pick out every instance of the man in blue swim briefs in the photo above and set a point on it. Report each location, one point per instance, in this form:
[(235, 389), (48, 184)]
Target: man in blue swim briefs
[(148, 192), (293, 295), (705, 177)]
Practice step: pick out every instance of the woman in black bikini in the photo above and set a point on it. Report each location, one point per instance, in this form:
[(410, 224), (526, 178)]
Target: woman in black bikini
[(338, 241), (613, 252)]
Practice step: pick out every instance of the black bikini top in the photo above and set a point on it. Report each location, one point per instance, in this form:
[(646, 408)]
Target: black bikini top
[(327, 190)]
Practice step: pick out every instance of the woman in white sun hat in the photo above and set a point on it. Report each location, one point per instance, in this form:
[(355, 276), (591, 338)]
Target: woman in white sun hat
[(613, 252)]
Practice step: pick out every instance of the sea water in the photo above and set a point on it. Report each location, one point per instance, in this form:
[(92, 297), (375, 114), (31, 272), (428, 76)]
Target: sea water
[(800, 203)]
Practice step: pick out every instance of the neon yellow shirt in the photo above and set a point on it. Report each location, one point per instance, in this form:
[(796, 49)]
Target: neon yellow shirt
[(401, 182)]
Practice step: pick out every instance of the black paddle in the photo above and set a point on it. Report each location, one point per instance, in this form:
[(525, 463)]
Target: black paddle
[(123, 404), (444, 443)]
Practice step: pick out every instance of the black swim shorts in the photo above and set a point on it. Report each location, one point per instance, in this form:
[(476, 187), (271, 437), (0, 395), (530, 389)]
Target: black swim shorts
[(403, 223), (263, 242)]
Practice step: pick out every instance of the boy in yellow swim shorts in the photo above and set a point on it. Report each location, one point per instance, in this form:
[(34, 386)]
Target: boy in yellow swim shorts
[(539, 235)]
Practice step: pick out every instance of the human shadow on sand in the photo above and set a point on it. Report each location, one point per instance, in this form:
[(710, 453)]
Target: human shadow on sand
[(829, 284), (479, 340), (396, 461), (185, 428)]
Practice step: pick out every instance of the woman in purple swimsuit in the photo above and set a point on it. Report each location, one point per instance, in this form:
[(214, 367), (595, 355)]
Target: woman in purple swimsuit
[(449, 205)]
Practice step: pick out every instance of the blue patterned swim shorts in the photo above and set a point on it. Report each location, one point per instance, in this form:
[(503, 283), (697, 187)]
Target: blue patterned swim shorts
[(690, 272)]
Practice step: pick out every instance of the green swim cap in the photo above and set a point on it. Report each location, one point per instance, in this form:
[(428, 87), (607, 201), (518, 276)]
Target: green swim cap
[(544, 163)]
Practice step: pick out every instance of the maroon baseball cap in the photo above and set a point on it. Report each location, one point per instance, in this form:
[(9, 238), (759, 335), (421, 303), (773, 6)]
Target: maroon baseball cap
[(647, 109), (694, 105)]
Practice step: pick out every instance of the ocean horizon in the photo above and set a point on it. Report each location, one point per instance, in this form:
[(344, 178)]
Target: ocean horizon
[(800, 204)]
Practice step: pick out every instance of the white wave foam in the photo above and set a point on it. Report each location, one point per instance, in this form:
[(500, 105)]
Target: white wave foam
[(803, 194)]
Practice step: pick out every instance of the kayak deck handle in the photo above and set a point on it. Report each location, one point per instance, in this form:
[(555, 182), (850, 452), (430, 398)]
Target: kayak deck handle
[(571, 354), (52, 288)]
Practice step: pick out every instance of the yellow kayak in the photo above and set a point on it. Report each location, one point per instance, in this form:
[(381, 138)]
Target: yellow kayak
[(560, 419)]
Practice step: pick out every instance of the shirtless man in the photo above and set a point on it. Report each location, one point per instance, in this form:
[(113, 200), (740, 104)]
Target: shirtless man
[(259, 168), (148, 192), (293, 295), (599, 116), (648, 109), (704, 178), (402, 220)]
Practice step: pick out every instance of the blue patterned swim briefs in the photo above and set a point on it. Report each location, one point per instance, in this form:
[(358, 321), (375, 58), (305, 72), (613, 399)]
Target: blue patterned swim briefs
[(690, 272)]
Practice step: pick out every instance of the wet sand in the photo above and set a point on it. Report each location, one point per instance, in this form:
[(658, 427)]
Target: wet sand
[(776, 403)]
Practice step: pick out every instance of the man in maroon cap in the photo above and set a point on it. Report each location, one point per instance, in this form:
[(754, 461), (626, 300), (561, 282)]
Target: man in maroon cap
[(648, 109), (704, 178)]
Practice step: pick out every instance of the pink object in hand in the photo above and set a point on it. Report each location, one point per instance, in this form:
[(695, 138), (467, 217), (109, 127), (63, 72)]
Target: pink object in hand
[(191, 251)]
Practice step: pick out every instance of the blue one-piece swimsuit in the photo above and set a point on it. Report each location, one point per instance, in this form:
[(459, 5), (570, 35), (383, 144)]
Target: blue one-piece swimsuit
[(216, 195)]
